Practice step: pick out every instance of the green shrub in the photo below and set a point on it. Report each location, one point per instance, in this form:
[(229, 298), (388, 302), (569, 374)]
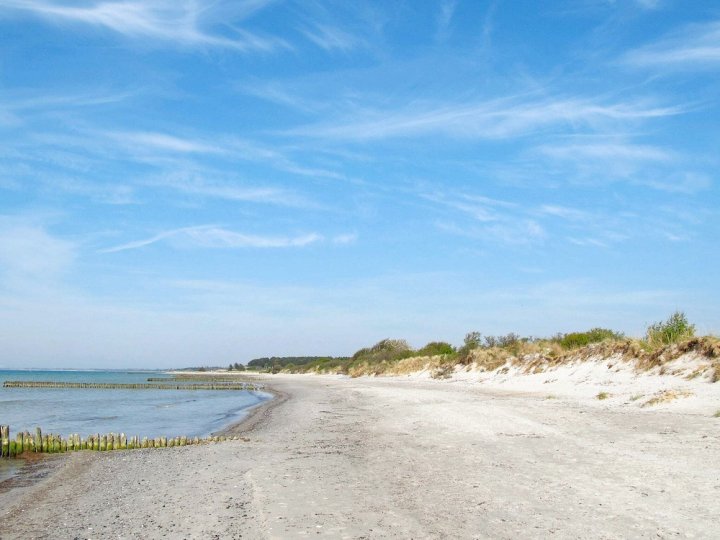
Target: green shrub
[(575, 340), (472, 341), (676, 328), (385, 350), (508, 341), (435, 348)]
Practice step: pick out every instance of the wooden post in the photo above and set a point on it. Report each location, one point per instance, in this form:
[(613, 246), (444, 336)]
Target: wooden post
[(38, 439), (4, 441), (123, 442)]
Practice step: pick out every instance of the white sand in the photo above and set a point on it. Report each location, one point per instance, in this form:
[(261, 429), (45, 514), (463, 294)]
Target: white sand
[(410, 458)]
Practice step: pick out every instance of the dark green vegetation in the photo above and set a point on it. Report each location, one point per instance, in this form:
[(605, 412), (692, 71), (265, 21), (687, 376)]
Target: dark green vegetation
[(279, 362)]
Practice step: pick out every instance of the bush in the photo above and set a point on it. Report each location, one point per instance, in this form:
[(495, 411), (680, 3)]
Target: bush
[(575, 340), (504, 342), (472, 341), (383, 351), (435, 348), (676, 328)]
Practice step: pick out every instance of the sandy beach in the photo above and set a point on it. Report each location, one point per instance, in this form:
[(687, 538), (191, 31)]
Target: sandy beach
[(388, 458)]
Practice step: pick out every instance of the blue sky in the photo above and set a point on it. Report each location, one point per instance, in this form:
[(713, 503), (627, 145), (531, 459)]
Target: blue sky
[(187, 183)]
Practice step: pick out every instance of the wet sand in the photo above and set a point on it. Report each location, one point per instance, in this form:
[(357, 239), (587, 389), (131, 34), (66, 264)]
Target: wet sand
[(386, 458)]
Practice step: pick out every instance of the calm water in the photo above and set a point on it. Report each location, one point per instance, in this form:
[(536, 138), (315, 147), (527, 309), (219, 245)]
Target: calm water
[(147, 413)]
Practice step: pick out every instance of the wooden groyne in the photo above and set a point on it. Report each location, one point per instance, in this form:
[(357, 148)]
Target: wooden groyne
[(55, 444), (204, 378), (132, 386)]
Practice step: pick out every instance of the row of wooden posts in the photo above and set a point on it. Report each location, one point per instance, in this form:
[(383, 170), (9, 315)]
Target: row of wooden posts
[(54, 444), (208, 378), (220, 385)]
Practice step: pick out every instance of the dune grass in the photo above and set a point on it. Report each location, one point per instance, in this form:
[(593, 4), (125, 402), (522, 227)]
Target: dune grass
[(664, 342)]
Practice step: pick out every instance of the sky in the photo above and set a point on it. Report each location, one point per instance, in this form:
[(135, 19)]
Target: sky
[(199, 183)]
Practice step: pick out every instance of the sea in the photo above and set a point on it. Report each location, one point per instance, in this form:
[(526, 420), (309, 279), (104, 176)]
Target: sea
[(146, 413)]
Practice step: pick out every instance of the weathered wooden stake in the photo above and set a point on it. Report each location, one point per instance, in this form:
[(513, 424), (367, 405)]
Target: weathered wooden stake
[(4, 441)]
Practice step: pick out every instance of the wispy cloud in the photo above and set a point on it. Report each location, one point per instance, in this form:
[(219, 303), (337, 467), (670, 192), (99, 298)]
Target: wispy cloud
[(479, 207), (444, 18), (211, 236), (280, 94), (343, 239), (621, 160), (177, 22), (197, 183), (563, 212), (164, 142), (494, 119), (30, 254), (508, 232), (149, 146), (606, 151), (330, 37), (695, 46)]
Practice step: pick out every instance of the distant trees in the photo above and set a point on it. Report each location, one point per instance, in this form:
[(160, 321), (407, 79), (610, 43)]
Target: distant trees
[(282, 361), (236, 367)]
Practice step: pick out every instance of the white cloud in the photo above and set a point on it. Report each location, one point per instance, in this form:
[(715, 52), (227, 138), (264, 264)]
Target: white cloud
[(619, 160), (177, 22), (444, 18), (494, 119), (195, 183), (331, 38), (564, 212), (162, 141), (606, 151), (694, 46), (29, 254), (211, 236), (343, 239)]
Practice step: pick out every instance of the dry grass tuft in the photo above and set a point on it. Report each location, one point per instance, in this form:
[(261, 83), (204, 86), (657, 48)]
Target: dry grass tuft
[(537, 356), (717, 414), (603, 395), (666, 396)]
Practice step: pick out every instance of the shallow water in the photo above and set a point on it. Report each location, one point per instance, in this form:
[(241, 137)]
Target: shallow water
[(146, 413), (9, 468)]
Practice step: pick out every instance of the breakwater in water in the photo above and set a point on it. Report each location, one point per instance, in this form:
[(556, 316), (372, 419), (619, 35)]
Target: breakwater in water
[(55, 444), (220, 385), (117, 401), (203, 378)]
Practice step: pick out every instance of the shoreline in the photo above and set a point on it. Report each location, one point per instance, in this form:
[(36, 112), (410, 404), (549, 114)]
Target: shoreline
[(34, 469), (256, 414)]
